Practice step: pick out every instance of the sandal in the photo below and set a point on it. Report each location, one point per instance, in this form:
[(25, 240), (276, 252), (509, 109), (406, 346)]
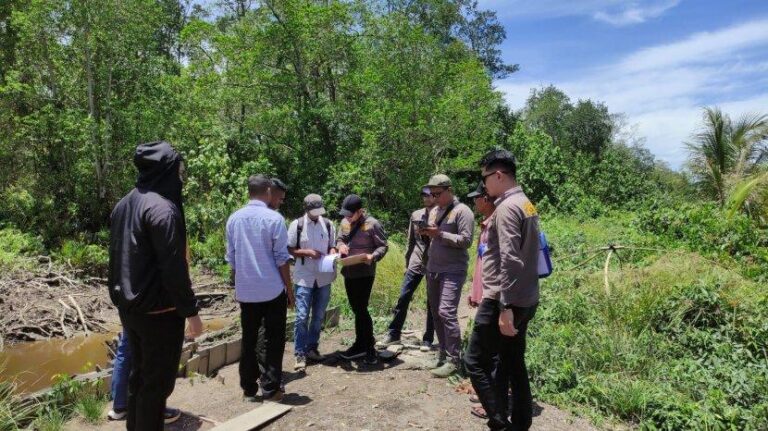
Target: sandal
[(478, 411)]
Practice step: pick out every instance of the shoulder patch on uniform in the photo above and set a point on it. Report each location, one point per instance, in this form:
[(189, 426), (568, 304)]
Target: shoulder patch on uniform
[(529, 209)]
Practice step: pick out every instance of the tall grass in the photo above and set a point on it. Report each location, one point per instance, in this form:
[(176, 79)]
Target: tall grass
[(679, 343), (13, 414)]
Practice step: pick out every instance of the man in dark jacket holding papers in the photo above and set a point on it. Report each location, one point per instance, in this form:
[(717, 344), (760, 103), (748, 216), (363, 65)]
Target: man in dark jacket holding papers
[(360, 235)]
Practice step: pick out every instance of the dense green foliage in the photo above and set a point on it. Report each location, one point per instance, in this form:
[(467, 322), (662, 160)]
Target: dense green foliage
[(334, 97), (373, 97), (338, 97), (725, 153), (737, 240), (679, 343)]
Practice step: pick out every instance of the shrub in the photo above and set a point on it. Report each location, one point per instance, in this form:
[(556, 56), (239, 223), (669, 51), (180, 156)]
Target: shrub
[(91, 258), (706, 229), (15, 244)]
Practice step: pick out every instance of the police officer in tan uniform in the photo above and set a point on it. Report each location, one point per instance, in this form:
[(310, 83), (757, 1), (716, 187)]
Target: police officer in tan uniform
[(510, 297)]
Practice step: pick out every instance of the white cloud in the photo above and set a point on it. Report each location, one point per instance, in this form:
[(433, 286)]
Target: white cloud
[(662, 88), (701, 48), (613, 12), (634, 13)]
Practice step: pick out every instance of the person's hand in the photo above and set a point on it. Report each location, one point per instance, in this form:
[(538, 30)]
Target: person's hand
[(430, 231), (368, 259), (194, 327), (291, 300), (471, 303), (507, 323), (333, 250), (314, 254), (344, 249)]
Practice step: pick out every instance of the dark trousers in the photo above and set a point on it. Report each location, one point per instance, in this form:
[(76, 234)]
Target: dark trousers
[(411, 282), (495, 363), (359, 294), (155, 341), (272, 315)]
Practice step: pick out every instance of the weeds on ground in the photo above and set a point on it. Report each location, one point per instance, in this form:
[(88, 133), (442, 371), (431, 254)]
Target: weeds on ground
[(678, 343), (91, 408), (13, 414)]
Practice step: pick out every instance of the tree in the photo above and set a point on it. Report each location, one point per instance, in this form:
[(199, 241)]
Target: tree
[(588, 128), (547, 109), (723, 153)]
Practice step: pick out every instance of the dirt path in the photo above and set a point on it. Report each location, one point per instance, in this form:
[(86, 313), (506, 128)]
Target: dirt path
[(337, 395)]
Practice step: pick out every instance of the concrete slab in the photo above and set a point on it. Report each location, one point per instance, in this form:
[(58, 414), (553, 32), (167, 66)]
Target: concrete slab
[(234, 350), (217, 357)]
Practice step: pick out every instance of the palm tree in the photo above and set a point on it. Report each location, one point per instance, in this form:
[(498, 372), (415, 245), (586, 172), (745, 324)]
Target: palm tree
[(727, 156)]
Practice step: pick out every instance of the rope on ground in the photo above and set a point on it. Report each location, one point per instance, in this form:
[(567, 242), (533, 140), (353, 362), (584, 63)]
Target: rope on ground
[(611, 250)]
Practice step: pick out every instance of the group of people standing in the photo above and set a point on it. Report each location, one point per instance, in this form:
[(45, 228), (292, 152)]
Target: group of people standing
[(505, 286), (149, 283)]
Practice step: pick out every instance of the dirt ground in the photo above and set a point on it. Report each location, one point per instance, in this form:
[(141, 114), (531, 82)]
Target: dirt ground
[(338, 395)]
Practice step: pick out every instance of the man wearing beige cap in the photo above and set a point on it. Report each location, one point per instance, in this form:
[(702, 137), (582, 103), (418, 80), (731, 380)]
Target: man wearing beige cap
[(451, 227), (310, 237)]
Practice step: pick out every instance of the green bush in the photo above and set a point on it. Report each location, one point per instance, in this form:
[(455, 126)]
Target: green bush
[(15, 244), (678, 344), (91, 258), (706, 229), (209, 252)]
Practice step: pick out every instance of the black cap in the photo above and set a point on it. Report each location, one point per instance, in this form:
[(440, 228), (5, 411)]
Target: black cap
[(351, 204), (479, 191)]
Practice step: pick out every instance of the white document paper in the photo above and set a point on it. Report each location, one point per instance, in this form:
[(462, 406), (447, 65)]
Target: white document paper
[(328, 263)]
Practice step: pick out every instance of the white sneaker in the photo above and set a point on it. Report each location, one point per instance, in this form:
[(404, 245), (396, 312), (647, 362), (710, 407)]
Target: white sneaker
[(117, 415), (301, 364), (171, 415)]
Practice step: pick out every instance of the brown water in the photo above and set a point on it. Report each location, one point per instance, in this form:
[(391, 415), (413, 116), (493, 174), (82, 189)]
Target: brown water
[(34, 365)]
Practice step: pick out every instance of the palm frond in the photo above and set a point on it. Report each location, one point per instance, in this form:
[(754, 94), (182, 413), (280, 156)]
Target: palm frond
[(742, 191)]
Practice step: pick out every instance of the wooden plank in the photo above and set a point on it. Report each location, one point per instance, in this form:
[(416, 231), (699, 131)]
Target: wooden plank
[(254, 418)]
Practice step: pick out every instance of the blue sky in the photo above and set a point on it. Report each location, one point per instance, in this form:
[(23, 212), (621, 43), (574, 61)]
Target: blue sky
[(658, 61)]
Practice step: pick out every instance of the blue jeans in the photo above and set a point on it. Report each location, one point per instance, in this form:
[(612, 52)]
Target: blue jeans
[(411, 281), (120, 372), (312, 300)]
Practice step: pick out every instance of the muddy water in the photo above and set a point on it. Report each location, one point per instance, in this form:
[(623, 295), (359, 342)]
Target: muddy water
[(33, 365)]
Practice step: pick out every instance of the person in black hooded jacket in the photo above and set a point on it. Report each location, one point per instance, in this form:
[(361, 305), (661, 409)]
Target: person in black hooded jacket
[(149, 281)]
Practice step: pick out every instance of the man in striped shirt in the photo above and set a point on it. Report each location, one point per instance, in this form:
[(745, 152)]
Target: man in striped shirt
[(257, 251)]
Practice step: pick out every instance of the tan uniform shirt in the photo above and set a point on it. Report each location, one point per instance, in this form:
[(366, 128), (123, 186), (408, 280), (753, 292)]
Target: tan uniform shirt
[(416, 254), (510, 273), (448, 252)]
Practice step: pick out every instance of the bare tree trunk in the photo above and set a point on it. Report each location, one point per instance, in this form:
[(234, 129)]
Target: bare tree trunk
[(93, 111)]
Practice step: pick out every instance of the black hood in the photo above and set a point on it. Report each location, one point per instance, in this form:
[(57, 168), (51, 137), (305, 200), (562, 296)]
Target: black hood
[(158, 165)]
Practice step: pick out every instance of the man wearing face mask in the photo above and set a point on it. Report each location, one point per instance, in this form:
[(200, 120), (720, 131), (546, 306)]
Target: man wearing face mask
[(451, 227), (310, 238), (149, 281), (360, 234)]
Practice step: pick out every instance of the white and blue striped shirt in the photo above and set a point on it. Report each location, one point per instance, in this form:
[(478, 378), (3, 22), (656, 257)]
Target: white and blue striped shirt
[(257, 245)]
